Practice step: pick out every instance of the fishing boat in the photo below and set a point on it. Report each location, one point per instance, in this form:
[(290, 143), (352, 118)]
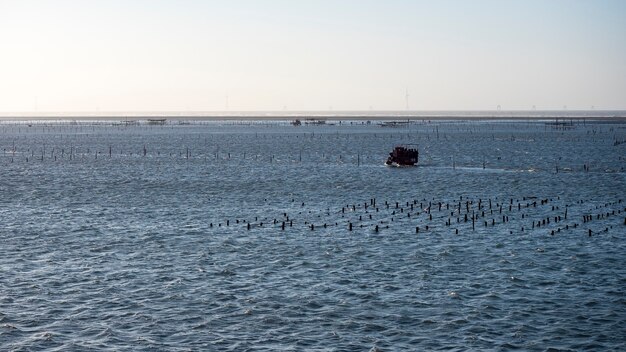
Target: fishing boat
[(156, 121), (403, 155)]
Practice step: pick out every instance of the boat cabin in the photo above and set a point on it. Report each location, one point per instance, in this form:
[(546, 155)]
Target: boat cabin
[(403, 155)]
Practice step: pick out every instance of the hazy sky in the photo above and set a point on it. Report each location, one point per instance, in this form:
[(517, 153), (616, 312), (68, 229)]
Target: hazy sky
[(82, 55)]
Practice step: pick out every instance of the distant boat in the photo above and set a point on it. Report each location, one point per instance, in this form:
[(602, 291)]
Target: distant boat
[(156, 121), (403, 155), (394, 123), (312, 121), (561, 125)]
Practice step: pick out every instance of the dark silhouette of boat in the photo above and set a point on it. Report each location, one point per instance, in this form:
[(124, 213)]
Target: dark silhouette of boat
[(156, 121), (403, 155)]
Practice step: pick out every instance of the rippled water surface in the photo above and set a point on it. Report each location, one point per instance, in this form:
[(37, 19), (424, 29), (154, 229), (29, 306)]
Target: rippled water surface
[(263, 236)]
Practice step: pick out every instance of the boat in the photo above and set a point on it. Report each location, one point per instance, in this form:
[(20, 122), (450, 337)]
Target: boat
[(156, 121), (394, 124), (314, 121), (403, 155)]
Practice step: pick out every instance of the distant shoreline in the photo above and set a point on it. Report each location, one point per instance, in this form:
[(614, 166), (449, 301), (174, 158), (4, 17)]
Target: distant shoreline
[(593, 115)]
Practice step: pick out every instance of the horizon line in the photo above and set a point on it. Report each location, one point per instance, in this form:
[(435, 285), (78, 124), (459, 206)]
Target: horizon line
[(613, 115), (287, 112)]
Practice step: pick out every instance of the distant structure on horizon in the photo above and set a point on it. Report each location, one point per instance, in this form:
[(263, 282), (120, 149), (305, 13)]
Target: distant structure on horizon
[(406, 98)]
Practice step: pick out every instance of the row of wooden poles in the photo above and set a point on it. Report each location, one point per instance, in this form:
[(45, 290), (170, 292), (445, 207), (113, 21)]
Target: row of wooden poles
[(428, 215), (74, 153)]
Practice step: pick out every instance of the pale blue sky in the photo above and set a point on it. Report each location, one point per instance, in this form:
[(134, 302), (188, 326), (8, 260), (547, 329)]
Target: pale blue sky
[(81, 55)]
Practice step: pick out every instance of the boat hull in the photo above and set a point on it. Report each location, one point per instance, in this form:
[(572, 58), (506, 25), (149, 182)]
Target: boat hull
[(403, 156)]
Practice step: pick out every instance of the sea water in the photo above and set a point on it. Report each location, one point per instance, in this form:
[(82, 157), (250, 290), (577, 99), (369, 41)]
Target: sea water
[(258, 235)]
